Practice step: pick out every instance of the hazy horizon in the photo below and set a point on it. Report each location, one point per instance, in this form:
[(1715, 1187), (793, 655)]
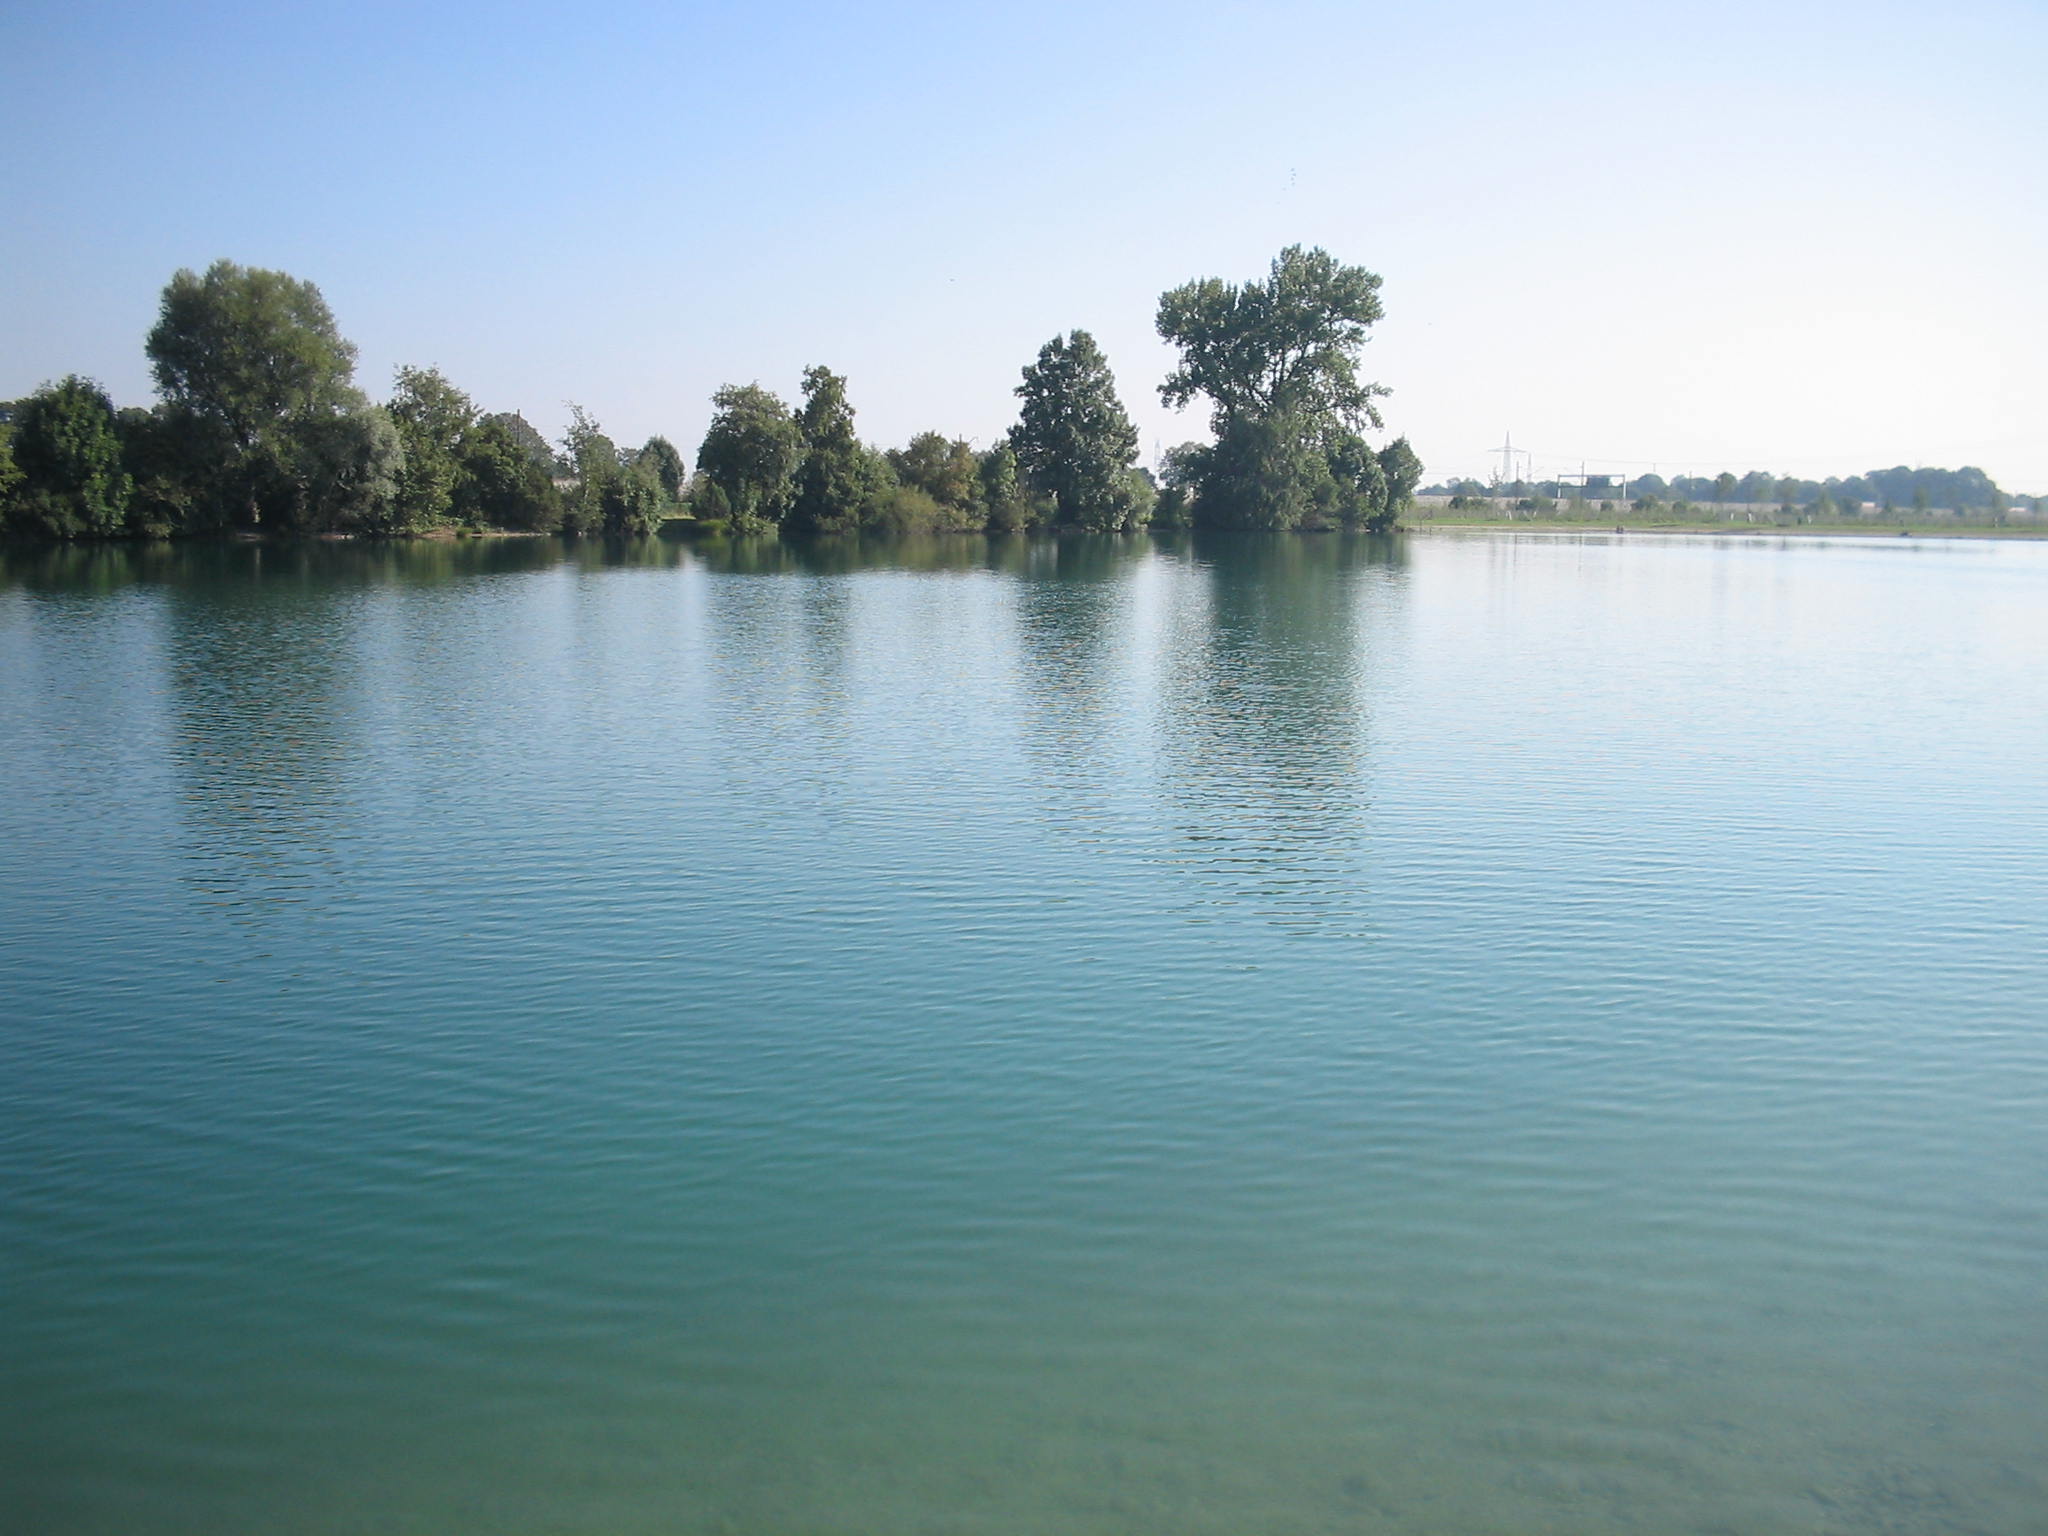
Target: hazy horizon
[(1693, 240)]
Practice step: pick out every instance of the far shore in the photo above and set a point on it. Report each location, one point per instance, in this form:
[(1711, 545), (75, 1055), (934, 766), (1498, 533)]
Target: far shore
[(1724, 530)]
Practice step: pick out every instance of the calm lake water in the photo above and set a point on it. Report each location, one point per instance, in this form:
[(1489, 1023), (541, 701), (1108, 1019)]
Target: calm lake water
[(1474, 1034)]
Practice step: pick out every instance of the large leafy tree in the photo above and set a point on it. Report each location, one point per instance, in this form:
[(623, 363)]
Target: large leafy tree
[(71, 482), (662, 459), (1278, 362), (504, 481), (750, 456), (1072, 439), (593, 459), (527, 438), (257, 377), (948, 470), (1289, 344), (832, 483), (1403, 472), (432, 417)]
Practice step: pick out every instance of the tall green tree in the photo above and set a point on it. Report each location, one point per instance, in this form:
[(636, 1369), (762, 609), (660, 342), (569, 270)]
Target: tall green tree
[(432, 417), (1009, 509), (67, 456), (527, 437), (594, 462), (1278, 362), (504, 482), (1288, 345), (252, 366), (832, 483), (1402, 471), (341, 470), (664, 461), (634, 503), (750, 456), (1072, 439)]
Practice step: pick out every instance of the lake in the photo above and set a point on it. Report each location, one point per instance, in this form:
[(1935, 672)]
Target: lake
[(1459, 1034)]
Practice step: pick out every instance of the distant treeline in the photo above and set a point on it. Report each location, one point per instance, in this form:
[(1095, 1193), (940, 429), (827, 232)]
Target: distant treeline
[(1964, 491), (259, 427)]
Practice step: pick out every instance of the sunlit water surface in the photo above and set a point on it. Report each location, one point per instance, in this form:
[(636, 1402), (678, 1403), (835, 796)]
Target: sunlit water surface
[(1467, 1035)]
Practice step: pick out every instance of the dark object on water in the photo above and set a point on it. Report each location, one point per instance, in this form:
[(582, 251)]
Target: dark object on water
[(1619, 529)]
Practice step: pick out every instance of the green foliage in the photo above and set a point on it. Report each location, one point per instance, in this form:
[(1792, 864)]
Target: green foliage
[(831, 484), (10, 473), (903, 509), (526, 436), (1403, 472), (948, 471), (1275, 473), (1182, 466), (1072, 439), (1278, 362), (634, 502), (159, 458), (66, 451), (504, 483), (665, 461), (1173, 508), (1286, 347), (432, 417), (1008, 508), (1139, 493), (256, 377), (248, 347), (341, 470), (594, 461), (750, 453)]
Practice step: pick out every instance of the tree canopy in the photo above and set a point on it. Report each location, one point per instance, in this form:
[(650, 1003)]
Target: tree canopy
[(1072, 438), (1288, 345), (750, 455), (832, 483), (68, 464), (1278, 362)]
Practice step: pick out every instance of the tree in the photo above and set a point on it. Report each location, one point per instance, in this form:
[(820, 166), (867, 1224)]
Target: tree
[(1009, 509), (831, 483), (1287, 345), (947, 470), (527, 438), (1072, 439), (432, 417), (10, 472), (750, 455), (504, 483), (1403, 472), (594, 460), (67, 458), (1278, 362), (252, 363), (341, 469), (633, 503), (666, 463)]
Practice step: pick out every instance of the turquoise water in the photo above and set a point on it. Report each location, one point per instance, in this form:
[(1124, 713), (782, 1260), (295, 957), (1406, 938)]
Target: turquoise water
[(1478, 1034)]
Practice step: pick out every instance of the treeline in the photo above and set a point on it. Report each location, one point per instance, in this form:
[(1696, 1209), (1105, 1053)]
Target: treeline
[(1963, 491), (259, 426)]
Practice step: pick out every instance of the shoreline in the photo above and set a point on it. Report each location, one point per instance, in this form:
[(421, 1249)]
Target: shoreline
[(1723, 531)]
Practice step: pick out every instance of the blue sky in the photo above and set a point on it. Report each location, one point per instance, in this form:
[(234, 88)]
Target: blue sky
[(1806, 238)]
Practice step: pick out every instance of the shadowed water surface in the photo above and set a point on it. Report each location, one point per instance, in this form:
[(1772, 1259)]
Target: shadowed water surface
[(1469, 1035)]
